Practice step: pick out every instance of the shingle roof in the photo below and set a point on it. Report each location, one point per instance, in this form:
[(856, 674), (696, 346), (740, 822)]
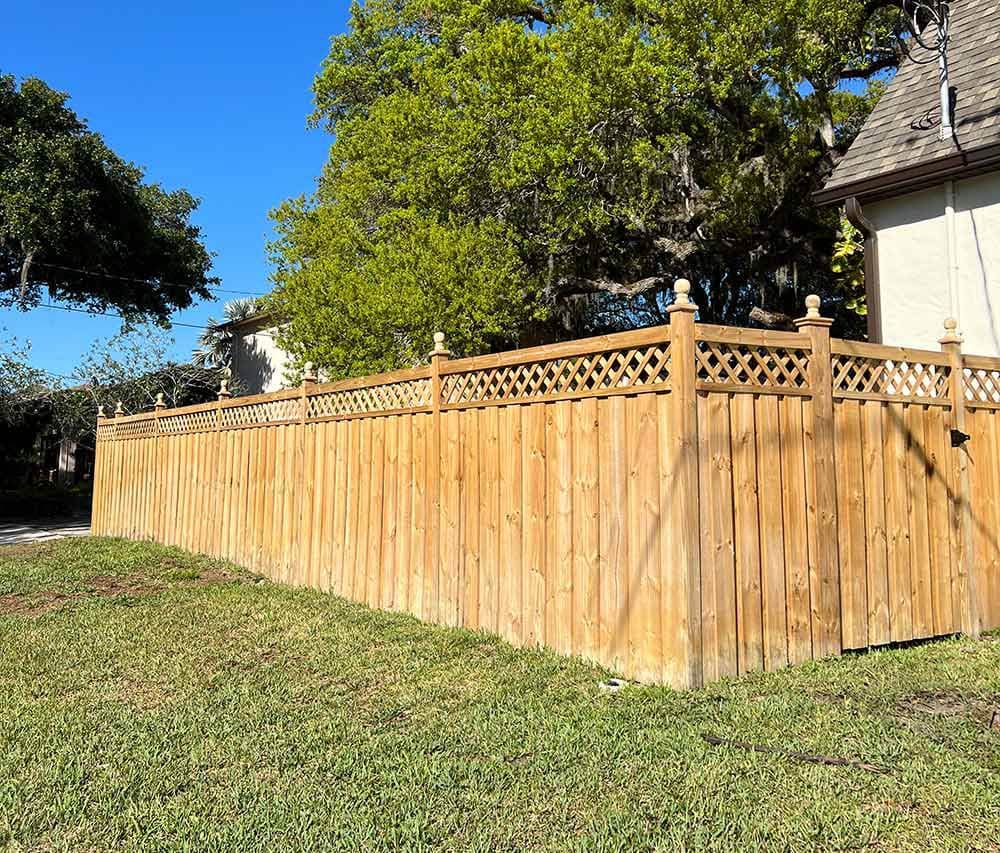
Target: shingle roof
[(902, 131)]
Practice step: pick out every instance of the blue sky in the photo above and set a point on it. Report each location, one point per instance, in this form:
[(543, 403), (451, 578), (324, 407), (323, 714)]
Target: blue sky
[(211, 96)]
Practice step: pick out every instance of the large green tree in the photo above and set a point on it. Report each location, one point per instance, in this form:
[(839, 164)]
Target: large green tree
[(511, 171), (80, 223)]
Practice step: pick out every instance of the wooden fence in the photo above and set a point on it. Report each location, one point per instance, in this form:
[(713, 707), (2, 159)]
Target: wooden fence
[(679, 503)]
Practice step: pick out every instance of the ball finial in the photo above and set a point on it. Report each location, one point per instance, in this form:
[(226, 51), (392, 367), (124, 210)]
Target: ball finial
[(159, 404), (224, 393), (438, 343), (100, 412), (309, 373), (812, 305), (951, 333), (119, 410), (682, 289)]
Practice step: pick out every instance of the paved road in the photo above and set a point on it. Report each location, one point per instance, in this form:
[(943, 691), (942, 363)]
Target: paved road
[(17, 533)]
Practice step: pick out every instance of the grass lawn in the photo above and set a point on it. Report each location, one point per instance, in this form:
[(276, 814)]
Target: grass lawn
[(152, 699)]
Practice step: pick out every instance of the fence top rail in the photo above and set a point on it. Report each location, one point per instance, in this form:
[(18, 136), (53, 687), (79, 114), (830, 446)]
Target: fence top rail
[(312, 390), (549, 352), (981, 362), (751, 337), (862, 349)]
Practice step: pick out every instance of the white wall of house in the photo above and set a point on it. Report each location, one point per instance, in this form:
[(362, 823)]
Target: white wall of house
[(939, 256), (259, 364)]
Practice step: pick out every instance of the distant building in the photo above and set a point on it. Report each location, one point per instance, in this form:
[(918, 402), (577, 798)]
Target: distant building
[(258, 363), (929, 202)]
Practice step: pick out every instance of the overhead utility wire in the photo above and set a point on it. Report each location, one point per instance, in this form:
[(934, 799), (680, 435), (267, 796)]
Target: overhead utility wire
[(120, 317), (140, 280)]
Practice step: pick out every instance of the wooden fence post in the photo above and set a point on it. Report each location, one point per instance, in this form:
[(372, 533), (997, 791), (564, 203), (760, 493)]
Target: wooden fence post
[(684, 523), (157, 512), (824, 565), (438, 356), (97, 502), (961, 505)]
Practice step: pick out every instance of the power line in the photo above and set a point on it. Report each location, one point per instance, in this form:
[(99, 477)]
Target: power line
[(120, 317), (140, 280), (105, 314)]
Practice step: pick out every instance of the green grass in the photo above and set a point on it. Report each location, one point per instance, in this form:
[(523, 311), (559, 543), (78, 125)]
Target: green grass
[(151, 699)]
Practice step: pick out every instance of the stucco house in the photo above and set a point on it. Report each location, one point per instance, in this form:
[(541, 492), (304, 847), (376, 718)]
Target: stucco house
[(258, 364), (926, 196)]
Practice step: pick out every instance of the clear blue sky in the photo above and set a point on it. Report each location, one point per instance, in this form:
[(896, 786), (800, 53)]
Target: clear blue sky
[(211, 96)]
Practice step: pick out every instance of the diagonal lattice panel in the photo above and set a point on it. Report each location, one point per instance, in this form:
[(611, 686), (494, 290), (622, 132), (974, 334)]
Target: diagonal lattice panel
[(119, 429), (858, 375), (747, 364), (560, 377), (266, 411), (982, 386), (188, 422), (390, 397)]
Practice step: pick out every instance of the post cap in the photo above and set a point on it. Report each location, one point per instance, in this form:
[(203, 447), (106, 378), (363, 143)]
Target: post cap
[(159, 401), (951, 333), (439, 348), (682, 297), (100, 412), (813, 317), (224, 389), (119, 411), (309, 374)]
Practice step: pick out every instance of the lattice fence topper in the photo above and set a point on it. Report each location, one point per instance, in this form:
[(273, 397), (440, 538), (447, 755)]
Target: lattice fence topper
[(556, 377), (188, 422), (393, 396), (752, 364), (855, 374), (982, 385), (127, 429), (266, 411)]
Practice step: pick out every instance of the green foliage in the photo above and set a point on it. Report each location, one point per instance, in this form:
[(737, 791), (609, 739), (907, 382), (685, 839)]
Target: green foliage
[(368, 304), (592, 152), (68, 201), (848, 264)]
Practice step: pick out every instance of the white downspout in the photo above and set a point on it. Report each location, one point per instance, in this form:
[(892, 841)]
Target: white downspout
[(951, 241)]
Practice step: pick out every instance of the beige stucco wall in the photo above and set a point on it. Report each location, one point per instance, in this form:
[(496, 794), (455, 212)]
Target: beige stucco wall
[(919, 239), (259, 364)]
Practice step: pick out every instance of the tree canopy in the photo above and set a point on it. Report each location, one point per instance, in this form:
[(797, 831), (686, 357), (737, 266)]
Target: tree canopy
[(79, 222), (510, 171)]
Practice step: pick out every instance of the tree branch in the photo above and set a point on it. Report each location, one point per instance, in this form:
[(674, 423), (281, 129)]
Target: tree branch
[(870, 69), (568, 285)]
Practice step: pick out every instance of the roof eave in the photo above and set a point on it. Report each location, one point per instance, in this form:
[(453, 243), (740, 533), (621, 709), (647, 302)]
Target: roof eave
[(961, 164), (254, 320)]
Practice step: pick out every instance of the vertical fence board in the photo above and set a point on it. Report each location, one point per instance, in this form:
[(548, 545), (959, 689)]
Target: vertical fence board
[(613, 533), (876, 541), (471, 522), (490, 518), (920, 552), (851, 518), (749, 626), (898, 523), (772, 533), (586, 531), (533, 561)]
